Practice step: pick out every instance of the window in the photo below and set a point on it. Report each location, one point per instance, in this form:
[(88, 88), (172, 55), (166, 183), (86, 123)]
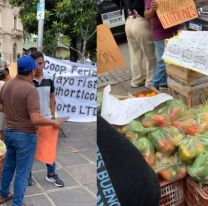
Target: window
[(0, 20), (15, 52), (15, 22)]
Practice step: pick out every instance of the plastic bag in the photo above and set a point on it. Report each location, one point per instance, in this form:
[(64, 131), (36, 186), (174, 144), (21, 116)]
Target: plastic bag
[(162, 141), (2, 148), (146, 148), (189, 148), (198, 170), (152, 118), (136, 126), (129, 134), (189, 125), (173, 109), (174, 134), (169, 167)]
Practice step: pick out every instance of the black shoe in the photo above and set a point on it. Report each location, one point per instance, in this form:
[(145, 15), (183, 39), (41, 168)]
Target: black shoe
[(55, 180), (30, 181)]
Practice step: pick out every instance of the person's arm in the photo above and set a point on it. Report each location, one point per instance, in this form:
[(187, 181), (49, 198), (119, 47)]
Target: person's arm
[(52, 99), (1, 108), (52, 104), (149, 13), (38, 120)]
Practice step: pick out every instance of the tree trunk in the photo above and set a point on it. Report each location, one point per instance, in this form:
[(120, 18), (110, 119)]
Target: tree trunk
[(73, 54), (83, 51)]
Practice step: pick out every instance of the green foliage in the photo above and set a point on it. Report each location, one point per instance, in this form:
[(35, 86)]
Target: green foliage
[(72, 18)]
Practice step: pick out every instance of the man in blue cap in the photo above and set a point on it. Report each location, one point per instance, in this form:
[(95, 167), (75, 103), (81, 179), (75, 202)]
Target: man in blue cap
[(19, 100)]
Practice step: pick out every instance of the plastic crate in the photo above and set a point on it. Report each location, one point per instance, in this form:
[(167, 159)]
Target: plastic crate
[(1, 164), (172, 193), (194, 194)]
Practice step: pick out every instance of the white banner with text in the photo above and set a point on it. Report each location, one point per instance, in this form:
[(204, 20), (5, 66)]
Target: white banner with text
[(76, 86)]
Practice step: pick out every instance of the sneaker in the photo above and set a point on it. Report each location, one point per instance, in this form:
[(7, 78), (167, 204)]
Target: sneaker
[(30, 181), (55, 180)]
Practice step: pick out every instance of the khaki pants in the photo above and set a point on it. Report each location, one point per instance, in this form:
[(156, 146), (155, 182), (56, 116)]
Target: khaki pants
[(141, 48)]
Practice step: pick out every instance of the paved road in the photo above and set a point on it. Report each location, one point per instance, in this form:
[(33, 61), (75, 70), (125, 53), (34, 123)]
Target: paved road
[(76, 165)]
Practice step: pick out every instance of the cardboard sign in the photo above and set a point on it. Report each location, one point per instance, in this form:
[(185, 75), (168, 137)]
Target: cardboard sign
[(174, 12), (13, 69), (46, 144), (108, 54)]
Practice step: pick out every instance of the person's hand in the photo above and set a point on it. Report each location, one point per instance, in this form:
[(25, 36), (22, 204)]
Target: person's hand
[(56, 123), (154, 5)]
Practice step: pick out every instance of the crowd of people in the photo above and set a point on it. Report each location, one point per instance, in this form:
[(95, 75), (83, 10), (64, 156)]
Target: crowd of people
[(146, 41), (26, 102)]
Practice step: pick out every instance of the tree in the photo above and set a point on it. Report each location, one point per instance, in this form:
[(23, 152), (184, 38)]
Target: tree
[(75, 19)]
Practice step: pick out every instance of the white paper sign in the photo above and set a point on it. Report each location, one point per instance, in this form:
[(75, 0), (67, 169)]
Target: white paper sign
[(121, 112), (75, 89), (189, 50), (114, 18)]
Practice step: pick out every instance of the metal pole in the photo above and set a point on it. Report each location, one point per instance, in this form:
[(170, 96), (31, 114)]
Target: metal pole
[(40, 31)]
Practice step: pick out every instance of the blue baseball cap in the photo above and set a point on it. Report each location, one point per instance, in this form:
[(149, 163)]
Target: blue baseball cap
[(26, 64)]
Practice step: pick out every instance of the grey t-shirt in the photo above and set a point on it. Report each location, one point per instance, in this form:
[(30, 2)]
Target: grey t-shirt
[(45, 87)]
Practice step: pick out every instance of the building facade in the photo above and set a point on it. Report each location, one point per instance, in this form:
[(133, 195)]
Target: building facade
[(11, 33)]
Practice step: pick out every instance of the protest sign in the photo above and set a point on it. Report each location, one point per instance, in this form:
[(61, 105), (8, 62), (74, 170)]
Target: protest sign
[(174, 12), (189, 50), (121, 112), (108, 54), (13, 69), (46, 144), (76, 86)]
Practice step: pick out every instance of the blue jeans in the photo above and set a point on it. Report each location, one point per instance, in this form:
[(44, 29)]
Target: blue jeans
[(160, 76), (51, 168), (20, 154)]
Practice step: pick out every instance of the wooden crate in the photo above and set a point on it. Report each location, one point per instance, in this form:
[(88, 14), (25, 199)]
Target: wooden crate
[(185, 76), (192, 96)]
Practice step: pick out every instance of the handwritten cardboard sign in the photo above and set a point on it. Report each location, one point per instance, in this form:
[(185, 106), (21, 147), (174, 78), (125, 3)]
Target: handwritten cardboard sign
[(174, 12), (46, 145), (13, 69), (108, 54)]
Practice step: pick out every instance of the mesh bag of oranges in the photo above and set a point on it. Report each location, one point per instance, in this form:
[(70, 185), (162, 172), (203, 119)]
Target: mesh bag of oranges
[(149, 93)]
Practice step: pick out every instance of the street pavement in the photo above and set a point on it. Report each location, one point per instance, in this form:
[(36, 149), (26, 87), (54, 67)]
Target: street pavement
[(76, 166), (120, 79), (76, 156)]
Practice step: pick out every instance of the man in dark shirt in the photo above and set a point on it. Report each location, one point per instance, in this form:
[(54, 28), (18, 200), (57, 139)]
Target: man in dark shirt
[(134, 182), (141, 46), (19, 100)]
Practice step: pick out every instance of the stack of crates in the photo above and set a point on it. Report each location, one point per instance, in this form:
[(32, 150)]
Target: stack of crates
[(188, 85)]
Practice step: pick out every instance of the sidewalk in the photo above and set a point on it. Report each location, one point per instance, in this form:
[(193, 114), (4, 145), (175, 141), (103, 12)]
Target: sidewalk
[(76, 165)]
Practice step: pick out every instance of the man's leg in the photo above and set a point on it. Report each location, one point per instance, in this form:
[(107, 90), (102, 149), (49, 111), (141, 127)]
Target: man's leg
[(160, 76), (135, 52), (52, 176), (9, 167), (25, 145)]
